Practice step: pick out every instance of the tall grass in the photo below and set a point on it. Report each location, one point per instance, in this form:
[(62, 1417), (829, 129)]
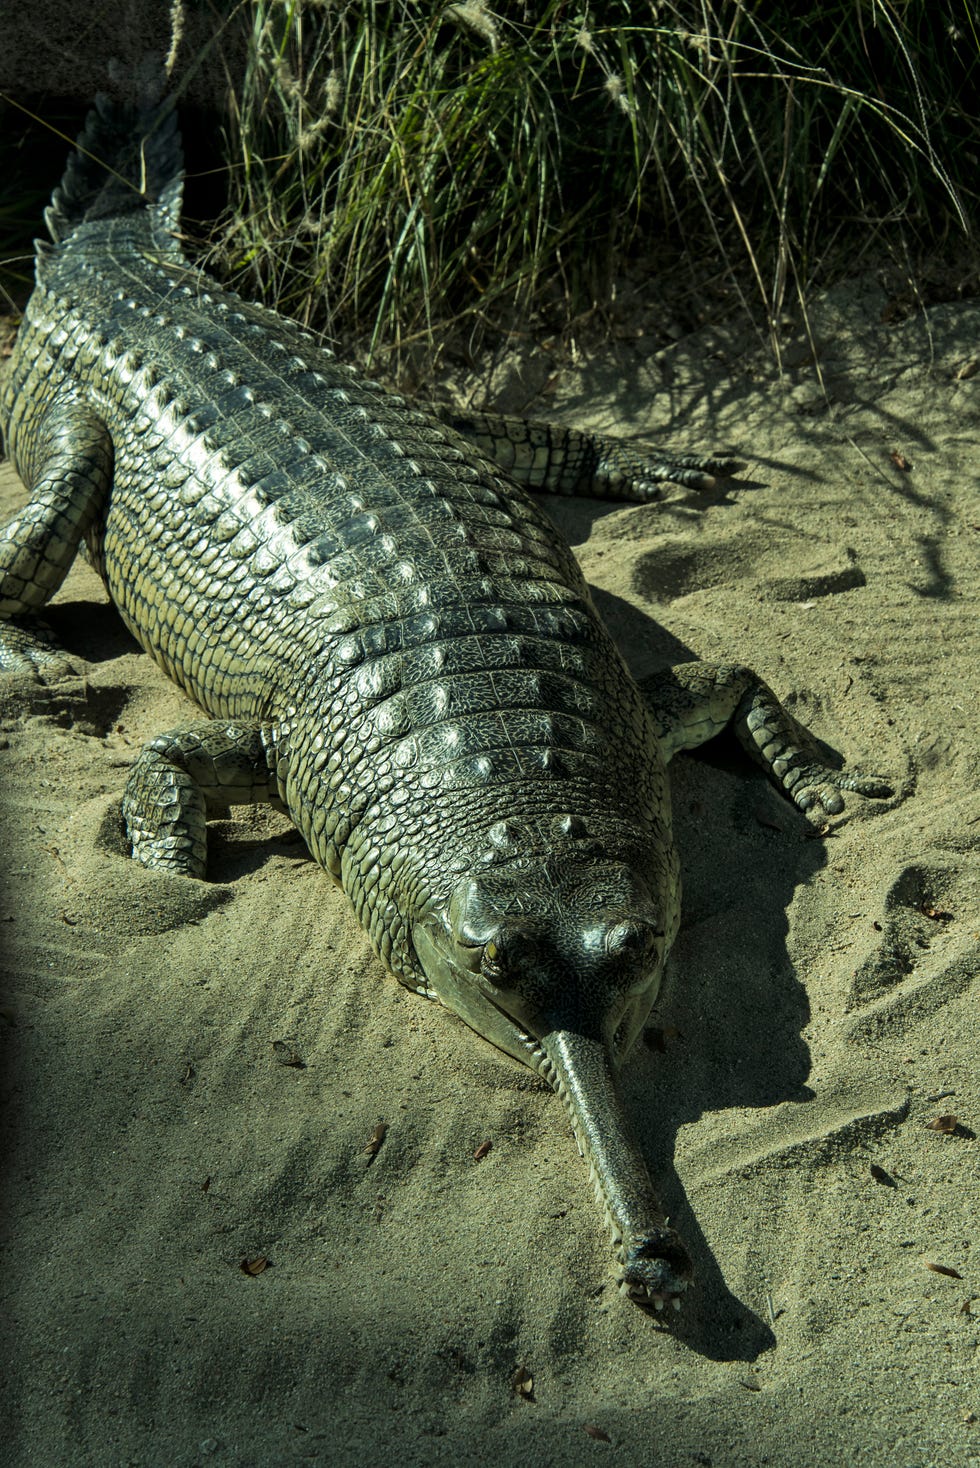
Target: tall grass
[(405, 168), (402, 172)]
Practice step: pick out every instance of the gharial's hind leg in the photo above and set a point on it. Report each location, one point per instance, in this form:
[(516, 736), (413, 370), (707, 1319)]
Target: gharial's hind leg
[(186, 774), (69, 481), (693, 702), (560, 460)]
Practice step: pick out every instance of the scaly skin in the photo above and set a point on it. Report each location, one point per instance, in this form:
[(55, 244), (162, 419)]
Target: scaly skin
[(388, 637)]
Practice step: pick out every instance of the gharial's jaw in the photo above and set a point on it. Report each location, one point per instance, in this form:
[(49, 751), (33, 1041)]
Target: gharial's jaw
[(656, 1267)]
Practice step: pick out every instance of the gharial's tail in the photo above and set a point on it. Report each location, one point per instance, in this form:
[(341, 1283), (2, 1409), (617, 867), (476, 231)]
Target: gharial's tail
[(128, 159)]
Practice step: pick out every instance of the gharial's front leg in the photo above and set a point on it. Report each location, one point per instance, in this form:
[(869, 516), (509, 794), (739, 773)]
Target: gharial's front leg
[(693, 702), (553, 458), (69, 476)]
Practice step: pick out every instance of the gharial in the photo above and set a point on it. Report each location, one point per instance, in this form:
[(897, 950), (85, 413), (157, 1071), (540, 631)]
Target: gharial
[(387, 635)]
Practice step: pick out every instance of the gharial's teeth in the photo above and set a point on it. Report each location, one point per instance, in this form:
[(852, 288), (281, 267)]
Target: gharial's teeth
[(658, 1302), (676, 1302)]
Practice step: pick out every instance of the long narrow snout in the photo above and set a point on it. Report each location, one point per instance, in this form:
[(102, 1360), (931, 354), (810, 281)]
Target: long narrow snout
[(656, 1266)]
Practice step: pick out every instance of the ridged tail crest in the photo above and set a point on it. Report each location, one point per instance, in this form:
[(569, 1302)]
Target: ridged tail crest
[(128, 159)]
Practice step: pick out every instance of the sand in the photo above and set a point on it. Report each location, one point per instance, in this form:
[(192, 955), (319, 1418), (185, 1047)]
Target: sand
[(821, 1012)]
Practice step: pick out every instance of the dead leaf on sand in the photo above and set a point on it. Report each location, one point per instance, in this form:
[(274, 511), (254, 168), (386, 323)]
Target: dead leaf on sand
[(373, 1145), (522, 1382)]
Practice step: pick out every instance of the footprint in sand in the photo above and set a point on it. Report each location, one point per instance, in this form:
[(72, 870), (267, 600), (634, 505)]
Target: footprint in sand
[(925, 955), (674, 568)]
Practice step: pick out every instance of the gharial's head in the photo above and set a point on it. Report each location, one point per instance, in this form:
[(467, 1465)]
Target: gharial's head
[(538, 943), (556, 956)]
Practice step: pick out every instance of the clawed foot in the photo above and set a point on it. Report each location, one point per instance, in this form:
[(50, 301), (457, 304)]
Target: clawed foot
[(27, 648), (689, 470), (815, 788), (623, 474), (791, 754)]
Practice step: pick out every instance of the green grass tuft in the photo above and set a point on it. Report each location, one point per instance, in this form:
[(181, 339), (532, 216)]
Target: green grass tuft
[(405, 173), (411, 169)]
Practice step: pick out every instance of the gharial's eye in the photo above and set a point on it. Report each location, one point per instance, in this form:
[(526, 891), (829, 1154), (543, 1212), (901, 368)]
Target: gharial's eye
[(491, 964), (637, 938), (511, 953)]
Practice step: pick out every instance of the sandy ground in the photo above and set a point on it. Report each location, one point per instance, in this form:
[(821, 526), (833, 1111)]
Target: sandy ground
[(822, 1012)]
